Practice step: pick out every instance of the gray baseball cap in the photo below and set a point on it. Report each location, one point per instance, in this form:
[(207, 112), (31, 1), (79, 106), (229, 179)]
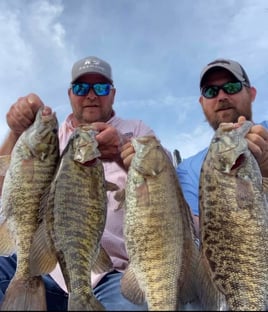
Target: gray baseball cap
[(91, 65), (232, 66)]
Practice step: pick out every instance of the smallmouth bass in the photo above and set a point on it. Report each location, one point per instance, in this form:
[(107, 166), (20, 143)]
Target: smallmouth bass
[(72, 220), (159, 231), (233, 225), (32, 165)]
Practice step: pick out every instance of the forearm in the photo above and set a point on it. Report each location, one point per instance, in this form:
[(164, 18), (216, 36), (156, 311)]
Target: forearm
[(9, 143), (5, 152)]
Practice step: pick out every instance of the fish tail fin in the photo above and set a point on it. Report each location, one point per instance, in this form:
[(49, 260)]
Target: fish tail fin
[(25, 295), (130, 287), (103, 263), (7, 243), (43, 257)]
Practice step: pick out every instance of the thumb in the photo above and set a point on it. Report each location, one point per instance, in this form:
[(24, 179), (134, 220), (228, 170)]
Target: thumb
[(241, 119)]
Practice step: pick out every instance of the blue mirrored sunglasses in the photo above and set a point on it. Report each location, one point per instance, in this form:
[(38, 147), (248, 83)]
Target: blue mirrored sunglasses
[(210, 92), (82, 88)]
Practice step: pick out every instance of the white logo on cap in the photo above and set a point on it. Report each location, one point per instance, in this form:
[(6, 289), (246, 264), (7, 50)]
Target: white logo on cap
[(91, 62)]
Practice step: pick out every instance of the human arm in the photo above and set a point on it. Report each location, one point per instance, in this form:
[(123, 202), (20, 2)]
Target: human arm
[(190, 191), (188, 172), (5, 151)]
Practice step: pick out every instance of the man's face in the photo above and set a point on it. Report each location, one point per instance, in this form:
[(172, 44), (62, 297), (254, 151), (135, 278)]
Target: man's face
[(226, 107), (91, 107)]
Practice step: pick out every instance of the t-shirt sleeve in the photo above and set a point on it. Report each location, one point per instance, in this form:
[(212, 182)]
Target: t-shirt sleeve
[(142, 129), (189, 187), (188, 172)]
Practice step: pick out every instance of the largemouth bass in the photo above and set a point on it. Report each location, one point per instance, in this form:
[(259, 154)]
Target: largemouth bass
[(159, 231), (32, 165), (73, 216), (233, 225)]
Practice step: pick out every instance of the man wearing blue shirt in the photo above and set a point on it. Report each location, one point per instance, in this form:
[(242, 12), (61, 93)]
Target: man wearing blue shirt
[(226, 96)]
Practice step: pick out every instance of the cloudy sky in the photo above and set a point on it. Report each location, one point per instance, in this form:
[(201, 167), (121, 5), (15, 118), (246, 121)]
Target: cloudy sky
[(157, 49)]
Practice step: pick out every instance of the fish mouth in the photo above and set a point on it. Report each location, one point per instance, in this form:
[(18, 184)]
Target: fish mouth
[(239, 161), (89, 162)]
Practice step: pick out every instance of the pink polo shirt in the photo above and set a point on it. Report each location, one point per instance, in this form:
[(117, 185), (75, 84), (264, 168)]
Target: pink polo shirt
[(112, 239)]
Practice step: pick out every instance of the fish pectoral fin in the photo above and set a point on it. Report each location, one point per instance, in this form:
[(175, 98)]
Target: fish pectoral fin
[(103, 262), (7, 242), (120, 197), (244, 194), (25, 295), (130, 287), (110, 186), (188, 282), (43, 257), (27, 169), (143, 194), (209, 295)]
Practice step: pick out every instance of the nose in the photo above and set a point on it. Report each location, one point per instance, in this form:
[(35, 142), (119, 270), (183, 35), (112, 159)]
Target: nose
[(222, 95), (91, 94)]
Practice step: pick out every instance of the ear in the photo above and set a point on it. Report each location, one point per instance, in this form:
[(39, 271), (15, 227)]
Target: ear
[(113, 92), (253, 93), (201, 100)]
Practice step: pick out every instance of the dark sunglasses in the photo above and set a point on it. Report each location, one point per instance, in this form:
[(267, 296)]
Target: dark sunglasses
[(210, 92), (82, 88)]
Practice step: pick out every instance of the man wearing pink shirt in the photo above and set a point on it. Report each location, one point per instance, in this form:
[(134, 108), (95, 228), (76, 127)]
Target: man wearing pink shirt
[(91, 95)]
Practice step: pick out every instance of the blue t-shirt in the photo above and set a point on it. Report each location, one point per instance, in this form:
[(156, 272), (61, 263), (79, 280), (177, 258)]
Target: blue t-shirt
[(188, 172)]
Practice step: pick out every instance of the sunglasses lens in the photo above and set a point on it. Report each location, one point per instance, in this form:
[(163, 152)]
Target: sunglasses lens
[(80, 89), (210, 91), (101, 89), (232, 87)]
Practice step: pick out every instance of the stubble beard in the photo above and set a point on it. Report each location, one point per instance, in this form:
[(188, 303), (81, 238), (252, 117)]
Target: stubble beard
[(229, 118)]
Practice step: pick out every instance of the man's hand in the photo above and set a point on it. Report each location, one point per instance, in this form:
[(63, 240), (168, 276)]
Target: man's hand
[(110, 141), (22, 113), (127, 154), (19, 117), (258, 144)]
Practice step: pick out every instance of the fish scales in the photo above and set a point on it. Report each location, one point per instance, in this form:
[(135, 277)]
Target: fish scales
[(80, 215), (233, 224), (74, 219), (32, 165), (157, 228)]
